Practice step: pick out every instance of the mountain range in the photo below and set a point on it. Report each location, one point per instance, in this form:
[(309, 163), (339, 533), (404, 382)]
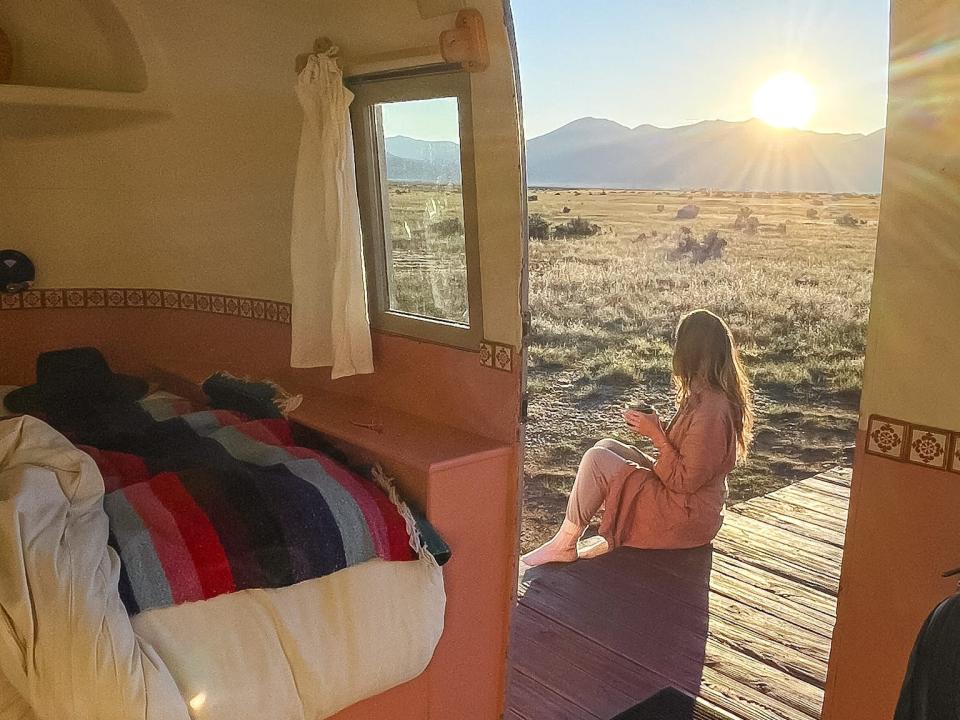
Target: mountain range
[(718, 154)]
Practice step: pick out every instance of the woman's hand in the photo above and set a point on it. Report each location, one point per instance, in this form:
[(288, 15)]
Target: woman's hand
[(645, 424)]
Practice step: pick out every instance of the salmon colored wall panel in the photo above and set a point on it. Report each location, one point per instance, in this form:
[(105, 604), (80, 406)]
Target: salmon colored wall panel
[(475, 511), (442, 384), (901, 535), (409, 701)]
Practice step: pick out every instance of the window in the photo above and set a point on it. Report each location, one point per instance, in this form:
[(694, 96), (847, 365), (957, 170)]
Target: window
[(418, 207)]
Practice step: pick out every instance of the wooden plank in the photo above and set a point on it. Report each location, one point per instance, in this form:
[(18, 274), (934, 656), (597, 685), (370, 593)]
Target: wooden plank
[(821, 604), (661, 635), (729, 669), (532, 701), (751, 630), (798, 653), (635, 636), (838, 475), (778, 596), (798, 545), (784, 507), (783, 619), (767, 548), (746, 701), (825, 486), (564, 660), (813, 499), (792, 524)]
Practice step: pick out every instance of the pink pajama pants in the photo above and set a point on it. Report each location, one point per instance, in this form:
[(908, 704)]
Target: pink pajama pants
[(600, 466)]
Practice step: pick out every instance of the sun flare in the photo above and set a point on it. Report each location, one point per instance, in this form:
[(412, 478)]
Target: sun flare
[(786, 100)]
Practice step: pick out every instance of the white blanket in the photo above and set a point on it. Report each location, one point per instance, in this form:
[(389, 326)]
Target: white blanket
[(69, 650)]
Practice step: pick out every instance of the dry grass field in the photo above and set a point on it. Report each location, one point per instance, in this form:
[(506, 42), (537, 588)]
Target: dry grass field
[(604, 308), (795, 291)]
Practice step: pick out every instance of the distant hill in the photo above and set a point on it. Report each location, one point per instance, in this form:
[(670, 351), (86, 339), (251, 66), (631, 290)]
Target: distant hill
[(747, 155), (412, 160)]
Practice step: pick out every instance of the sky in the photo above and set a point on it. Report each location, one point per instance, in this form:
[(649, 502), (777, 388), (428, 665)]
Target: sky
[(677, 62)]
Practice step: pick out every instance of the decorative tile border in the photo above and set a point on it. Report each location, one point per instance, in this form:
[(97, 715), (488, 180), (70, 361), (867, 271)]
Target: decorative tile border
[(497, 356), (917, 444), (147, 298)]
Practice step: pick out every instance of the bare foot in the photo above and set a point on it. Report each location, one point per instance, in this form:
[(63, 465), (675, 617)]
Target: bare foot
[(558, 550)]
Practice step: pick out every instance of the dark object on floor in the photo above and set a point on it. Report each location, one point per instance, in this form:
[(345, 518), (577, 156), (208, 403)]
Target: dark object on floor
[(671, 704), (930, 687), (254, 399), (73, 382)]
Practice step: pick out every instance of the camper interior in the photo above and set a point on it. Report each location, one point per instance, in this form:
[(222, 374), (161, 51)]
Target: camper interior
[(263, 452)]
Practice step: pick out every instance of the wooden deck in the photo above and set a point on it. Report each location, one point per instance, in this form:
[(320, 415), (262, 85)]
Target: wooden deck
[(745, 624)]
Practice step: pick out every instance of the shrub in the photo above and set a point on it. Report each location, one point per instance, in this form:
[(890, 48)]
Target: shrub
[(847, 220), (537, 227), (782, 229), (578, 227), (532, 198), (565, 210), (751, 226), (817, 201), (659, 208), (448, 227), (813, 213), (688, 212), (709, 249)]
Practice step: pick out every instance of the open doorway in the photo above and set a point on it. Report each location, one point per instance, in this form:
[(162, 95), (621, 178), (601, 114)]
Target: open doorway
[(682, 156)]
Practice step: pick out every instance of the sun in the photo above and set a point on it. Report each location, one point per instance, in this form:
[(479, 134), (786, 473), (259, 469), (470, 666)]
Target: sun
[(786, 100)]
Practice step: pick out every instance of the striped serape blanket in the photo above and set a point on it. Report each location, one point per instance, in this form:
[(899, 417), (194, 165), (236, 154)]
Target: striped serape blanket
[(207, 502)]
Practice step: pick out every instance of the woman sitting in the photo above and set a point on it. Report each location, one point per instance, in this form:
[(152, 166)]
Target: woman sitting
[(675, 501)]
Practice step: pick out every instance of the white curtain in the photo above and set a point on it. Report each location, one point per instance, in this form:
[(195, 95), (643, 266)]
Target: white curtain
[(329, 315)]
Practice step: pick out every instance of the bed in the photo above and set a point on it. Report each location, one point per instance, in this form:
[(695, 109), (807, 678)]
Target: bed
[(70, 648)]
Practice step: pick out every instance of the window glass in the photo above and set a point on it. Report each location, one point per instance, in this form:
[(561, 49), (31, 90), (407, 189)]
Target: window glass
[(422, 205)]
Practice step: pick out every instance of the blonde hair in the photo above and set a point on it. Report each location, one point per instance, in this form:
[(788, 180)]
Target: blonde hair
[(704, 350)]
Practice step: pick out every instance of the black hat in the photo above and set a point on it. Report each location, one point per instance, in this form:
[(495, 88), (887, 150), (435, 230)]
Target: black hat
[(74, 379), (16, 271)]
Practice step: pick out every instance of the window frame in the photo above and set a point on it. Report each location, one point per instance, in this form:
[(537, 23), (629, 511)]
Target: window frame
[(374, 206)]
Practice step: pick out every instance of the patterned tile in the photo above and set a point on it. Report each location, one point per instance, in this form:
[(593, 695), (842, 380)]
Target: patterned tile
[(147, 298), (10, 301), (31, 299), (96, 297), (886, 436), (928, 446), (503, 357), (53, 298), (486, 354), (153, 298), (953, 463)]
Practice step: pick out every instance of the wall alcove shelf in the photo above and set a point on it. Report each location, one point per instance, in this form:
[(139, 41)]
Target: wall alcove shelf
[(49, 97)]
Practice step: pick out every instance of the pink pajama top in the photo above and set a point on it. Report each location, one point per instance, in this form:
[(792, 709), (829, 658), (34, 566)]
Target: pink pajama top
[(679, 504)]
